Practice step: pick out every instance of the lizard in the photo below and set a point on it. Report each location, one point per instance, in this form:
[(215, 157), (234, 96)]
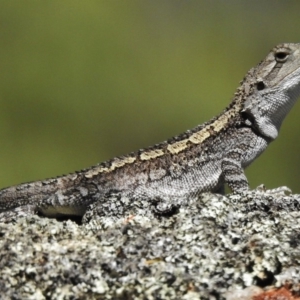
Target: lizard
[(199, 160)]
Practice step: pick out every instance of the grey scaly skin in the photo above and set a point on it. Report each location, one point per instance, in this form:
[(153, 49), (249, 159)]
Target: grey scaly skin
[(201, 159)]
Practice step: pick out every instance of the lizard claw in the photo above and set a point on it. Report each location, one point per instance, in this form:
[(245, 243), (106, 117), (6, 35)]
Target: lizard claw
[(280, 191)]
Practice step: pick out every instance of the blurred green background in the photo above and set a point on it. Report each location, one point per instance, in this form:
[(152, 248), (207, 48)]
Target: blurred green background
[(83, 81)]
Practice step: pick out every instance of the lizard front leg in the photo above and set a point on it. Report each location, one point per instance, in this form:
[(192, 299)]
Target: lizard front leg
[(233, 173)]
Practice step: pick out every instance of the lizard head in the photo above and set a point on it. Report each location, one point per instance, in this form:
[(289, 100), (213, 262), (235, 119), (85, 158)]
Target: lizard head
[(275, 87)]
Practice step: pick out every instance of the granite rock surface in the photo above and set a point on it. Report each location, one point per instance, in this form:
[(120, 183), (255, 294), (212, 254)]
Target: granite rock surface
[(214, 247)]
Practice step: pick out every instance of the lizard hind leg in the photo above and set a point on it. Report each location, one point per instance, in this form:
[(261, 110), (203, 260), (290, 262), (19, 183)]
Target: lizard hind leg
[(13, 215), (116, 206), (161, 207), (112, 205)]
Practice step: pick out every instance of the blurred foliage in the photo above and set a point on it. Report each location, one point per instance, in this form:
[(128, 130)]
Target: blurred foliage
[(83, 81)]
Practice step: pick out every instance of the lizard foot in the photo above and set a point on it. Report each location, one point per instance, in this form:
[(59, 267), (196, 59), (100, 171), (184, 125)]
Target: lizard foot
[(280, 191), (163, 208)]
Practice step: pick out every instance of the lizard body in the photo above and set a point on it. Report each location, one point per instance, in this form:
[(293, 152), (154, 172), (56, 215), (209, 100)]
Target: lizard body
[(201, 159)]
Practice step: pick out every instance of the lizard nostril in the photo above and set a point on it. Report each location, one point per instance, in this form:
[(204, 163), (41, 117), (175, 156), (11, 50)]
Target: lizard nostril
[(260, 85)]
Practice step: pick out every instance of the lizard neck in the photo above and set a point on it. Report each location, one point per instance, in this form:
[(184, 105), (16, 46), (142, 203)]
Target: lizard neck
[(269, 108)]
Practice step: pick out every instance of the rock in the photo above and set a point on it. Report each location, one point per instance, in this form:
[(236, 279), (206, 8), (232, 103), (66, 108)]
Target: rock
[(213, 247)]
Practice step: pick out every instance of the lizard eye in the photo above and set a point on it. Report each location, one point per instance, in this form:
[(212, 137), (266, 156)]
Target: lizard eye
[(281, 56)]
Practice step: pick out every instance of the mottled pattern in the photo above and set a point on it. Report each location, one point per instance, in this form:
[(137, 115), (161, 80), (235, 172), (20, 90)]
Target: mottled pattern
[(202, 159)]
